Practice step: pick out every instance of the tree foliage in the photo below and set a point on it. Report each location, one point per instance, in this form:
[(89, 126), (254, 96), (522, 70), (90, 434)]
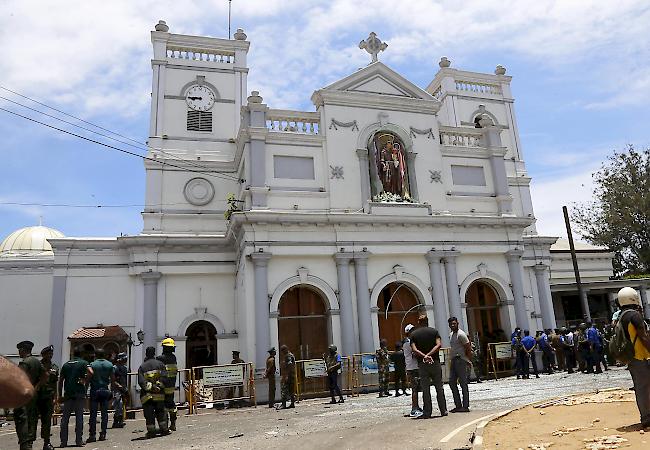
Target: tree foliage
[(619, 215)]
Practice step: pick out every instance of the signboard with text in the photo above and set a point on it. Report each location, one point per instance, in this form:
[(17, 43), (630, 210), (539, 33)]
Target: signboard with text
[(223, 376), (503, 350), (315, 368)]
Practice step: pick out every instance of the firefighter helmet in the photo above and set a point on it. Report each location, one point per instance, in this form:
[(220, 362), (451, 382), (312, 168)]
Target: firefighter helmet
[(168, 342)]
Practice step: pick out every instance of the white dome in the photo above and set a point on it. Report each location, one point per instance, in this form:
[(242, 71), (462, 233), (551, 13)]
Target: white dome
[(29, 241)]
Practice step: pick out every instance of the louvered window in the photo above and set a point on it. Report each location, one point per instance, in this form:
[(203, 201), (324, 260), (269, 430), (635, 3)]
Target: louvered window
[(199, 121)]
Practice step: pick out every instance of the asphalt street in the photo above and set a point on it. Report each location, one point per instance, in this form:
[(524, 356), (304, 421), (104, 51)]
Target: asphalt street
[(362, 422)]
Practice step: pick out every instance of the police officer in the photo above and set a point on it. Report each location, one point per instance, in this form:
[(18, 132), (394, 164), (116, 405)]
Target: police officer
[(518, 352), (269, 374), (236, 359), (287, 377), (120, 390), (46, 395), (383, 368), (26, 417), (333, 364), (169, 379), (152, 393)]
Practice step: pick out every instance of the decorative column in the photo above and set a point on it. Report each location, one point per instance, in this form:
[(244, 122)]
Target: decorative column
[(57, 317), (453, 292), (364, 172), (262, 317), (350, 343), (363, 302), (150, 314), (258, 132), (545, 300), (413, 182), (644, 301), (492, 141), (517, 281), (438, 293)]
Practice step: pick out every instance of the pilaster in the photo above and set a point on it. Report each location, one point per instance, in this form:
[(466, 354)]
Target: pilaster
[(363, 302), (364, 172), (262, 325), (150, 316), (350, 342), (434, 258), (545, 300), (453, 290), (57, 317), (513, 257)]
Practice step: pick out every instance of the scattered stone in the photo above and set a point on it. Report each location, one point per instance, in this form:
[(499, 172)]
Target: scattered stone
[(236, 435), (542, 446), (604, 442)]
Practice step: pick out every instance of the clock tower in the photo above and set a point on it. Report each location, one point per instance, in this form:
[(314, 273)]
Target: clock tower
[(199, 85)]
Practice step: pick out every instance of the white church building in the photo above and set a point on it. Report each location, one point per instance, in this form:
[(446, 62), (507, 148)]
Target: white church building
[(344, 223)]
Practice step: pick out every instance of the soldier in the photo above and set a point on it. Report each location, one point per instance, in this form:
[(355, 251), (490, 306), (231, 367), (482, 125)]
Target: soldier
[(120, 390), (556, 343), (399, 363), (584, 350), (26, 417), (518, 352), (547, 351), (566, 340), (240, 390), (287, 377), (72, 391), (169, 379), (333, 364), (383, 368), (46, 395), (152, 393), (269, 374)]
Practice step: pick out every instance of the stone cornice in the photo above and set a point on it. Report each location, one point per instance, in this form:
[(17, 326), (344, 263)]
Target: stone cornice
[(260, 259), (375, 101)]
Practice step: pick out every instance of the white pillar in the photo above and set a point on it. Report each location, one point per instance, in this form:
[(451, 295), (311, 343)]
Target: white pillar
[(363, 302), (262, 317), (350, 342), (517, 281), (437, 291), (453, 291), (545, 300), (150, 315)]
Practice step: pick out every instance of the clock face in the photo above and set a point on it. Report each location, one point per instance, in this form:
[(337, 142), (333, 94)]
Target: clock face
[(200, 98)]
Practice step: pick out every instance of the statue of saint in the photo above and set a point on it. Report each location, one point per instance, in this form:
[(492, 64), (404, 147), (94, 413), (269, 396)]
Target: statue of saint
[(390, 157)]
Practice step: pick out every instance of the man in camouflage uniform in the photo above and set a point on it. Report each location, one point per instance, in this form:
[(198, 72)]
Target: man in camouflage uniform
[(383, 368), (477, 357), (152, 393), (26, 417), (333, 365), (46, 395), (168, 378), (287, 377)]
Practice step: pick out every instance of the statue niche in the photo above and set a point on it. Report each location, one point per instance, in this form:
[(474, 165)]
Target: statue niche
[(388, 169)]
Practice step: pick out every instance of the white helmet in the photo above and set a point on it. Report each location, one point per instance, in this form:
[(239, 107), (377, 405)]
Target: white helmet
[(628, 296)]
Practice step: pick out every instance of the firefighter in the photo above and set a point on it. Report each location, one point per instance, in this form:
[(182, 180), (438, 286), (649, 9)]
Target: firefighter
[(152, 394), (169, 378)]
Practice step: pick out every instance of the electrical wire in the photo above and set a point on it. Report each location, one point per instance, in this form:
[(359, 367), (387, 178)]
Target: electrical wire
[(212, 174), (71, 205), (140, 146)]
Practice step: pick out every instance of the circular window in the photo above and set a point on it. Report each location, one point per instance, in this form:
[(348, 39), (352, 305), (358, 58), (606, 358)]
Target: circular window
[(199, 191)]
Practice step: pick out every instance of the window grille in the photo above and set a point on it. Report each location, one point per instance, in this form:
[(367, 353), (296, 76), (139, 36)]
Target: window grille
[(199, 121)]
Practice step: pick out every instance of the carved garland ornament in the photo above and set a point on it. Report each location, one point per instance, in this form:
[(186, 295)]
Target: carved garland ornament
[(335, 124), (427, 132)]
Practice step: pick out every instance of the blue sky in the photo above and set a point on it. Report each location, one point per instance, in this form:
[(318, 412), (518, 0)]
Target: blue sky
[(581, 82)]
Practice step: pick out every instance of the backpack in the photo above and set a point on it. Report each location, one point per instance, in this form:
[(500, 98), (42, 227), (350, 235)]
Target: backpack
[(620, 346)]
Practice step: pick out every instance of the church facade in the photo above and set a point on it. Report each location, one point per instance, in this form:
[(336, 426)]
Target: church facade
[(340, 225)]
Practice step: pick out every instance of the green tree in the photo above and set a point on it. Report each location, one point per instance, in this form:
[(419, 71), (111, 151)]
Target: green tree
[(619, 215)]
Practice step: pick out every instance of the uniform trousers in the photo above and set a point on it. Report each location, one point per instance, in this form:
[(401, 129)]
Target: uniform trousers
[(333, 384), (528, 357), (45, 408), (271, 380), (431, 374), (26, 419), (155, 411)]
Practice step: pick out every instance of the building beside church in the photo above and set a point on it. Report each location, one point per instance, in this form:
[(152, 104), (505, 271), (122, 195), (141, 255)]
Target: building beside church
[(343, 224)]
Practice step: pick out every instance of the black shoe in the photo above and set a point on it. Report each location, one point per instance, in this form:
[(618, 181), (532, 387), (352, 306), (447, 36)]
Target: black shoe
[(48, 446), (165, 432), (150, 435), (90, 439), (454, 410), (341, 400), (332, 402), (397, 394), (536, 376), (444, 413), (271, 405), (102, 437), (291, 406), (463, 410)]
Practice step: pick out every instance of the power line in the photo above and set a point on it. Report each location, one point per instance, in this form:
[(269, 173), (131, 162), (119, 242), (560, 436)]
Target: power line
[(72, 205), (216, 175), (140, 146)]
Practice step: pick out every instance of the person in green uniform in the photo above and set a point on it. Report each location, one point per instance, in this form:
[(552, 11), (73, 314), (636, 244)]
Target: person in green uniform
[(46, 395), (73, 378), (383, 368), (269, 374), (287, 377), (26, 417)]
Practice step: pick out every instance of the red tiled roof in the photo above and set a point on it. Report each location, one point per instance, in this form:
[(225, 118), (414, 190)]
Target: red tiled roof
[(113, 331)]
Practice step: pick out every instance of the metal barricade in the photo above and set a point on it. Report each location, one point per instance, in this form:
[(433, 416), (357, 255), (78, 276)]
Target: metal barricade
[(311, 378), (225, 384), (500, 358)]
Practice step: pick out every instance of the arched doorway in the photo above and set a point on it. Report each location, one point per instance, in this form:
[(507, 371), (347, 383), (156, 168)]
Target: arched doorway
[(403, 307), (483, 315), (302, 322), (201, 344)]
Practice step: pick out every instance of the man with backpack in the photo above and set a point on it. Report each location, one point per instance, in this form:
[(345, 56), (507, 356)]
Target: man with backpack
[(631, 344)]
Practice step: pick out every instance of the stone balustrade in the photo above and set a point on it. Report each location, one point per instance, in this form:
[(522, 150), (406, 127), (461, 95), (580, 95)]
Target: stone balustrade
[(460, 137), (198, 54), (437, 93), (479, 88), (286, 121)]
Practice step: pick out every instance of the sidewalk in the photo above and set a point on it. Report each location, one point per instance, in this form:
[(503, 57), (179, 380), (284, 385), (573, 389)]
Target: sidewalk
[(603, 420)]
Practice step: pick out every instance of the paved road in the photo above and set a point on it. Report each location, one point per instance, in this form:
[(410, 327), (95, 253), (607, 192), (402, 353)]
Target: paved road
[(362, 422)]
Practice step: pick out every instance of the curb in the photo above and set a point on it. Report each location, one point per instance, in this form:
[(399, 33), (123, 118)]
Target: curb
[(477, 436)]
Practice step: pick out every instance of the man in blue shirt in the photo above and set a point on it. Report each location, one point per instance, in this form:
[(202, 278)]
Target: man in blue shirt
[(102, 376), (547, 351), (517, 352), (528, 343), (595, 347)]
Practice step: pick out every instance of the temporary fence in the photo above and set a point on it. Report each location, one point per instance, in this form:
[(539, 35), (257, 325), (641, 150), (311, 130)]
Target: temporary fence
[(500, 358), (231, 384), (311, 378)]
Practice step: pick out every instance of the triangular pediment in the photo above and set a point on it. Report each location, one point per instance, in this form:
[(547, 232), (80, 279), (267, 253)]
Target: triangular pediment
[(377, 78)]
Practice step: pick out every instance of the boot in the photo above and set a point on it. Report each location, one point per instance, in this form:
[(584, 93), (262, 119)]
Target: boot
[(47, 446), (102, 436), (341, 400), (333, 402), (172, 421)]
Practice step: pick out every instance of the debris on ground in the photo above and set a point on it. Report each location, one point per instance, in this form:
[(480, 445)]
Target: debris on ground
[(604, 442), (236, 435), (542, 446)]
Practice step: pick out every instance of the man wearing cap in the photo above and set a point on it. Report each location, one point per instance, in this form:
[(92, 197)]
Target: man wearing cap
[(169, 379), (26, 417), (72, 391), (269, 374), (120, 389), (383, 368), (637, 330), (412, 372), (46, 395), (287, 377), (240, 390), (333, 365)]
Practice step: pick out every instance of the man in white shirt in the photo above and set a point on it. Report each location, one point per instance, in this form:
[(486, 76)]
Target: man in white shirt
[(460, 366), (412, 372)]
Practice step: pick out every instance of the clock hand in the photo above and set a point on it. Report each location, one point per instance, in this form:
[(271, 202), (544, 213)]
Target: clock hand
[(195, 98)]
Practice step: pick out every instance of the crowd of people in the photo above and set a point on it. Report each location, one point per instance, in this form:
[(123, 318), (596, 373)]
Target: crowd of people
[(40, 385)]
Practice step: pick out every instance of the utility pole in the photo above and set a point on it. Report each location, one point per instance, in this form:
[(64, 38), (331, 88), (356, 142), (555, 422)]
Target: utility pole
[(581, 292)]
